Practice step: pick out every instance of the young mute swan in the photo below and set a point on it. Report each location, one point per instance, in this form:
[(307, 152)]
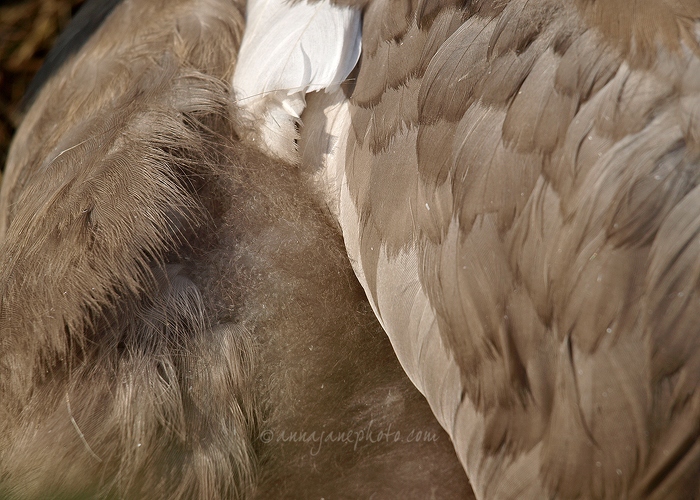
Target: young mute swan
[(516, 186)]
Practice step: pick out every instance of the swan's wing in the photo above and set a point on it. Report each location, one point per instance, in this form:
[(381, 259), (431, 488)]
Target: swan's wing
[(517, 186)]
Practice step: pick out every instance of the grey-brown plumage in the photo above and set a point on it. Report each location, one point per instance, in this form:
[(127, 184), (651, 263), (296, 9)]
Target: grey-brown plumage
[(519, 198), (516, 182), (178, 318)]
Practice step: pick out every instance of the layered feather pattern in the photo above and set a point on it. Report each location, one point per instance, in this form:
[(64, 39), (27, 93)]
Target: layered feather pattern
[(518, 202)]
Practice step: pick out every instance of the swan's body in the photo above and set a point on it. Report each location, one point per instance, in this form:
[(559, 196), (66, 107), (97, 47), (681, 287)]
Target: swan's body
[(516, 184)]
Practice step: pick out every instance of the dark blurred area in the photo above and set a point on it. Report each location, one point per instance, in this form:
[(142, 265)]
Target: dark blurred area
[(28, 29)]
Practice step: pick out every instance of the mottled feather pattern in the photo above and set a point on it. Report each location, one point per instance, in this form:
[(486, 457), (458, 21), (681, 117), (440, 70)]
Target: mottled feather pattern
[(553, 216)]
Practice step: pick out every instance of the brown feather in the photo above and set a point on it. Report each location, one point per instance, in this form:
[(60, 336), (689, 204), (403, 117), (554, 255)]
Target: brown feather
[(493, 178), (637, 28)]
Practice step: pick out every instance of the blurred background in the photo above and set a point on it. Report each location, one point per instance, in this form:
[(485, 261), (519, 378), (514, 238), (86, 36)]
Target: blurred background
[(28, 29)]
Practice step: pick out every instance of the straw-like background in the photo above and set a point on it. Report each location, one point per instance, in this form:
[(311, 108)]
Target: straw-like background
[(28, 28)]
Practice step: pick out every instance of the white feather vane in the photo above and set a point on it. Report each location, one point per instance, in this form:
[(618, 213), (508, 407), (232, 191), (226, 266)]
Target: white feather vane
[(296, 47), (289, 50)]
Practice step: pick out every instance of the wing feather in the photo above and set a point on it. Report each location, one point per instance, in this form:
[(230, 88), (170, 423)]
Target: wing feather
[(541, 170)]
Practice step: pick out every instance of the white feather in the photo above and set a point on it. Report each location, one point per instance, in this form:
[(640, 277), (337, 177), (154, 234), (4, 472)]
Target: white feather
[(287, 51)]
